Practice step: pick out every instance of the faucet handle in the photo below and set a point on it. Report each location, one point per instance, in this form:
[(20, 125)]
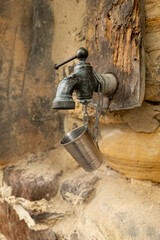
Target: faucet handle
[(81, 54)]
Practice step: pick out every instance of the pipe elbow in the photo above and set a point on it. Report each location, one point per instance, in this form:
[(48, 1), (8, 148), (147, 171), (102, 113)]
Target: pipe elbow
[(63, 99)]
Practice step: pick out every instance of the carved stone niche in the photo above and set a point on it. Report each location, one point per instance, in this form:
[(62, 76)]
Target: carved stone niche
[(114, 39)]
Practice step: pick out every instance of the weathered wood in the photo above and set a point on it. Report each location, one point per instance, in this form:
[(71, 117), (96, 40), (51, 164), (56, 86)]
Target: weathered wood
[(114, 36)]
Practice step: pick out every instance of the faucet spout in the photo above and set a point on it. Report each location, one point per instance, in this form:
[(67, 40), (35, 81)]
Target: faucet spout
[(63, 99)]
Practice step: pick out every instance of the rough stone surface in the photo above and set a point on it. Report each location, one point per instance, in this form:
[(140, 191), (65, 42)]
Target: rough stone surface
[(158, 116), (74, 236), (78, 187), (31, 186), (46, 217), (27, 122), (152, 50), (111, 214), (102, 205), (136, 155), (143, 119), (152, 8), (118, 208), (69, 34), (12, 228), (2, 237), (37, 176), (152, 71)]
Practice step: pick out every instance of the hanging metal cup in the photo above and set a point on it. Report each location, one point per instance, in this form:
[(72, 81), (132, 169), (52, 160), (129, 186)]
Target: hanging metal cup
[(80, 145)]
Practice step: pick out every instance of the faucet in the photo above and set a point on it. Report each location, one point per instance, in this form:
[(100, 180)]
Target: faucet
[(84, 81)]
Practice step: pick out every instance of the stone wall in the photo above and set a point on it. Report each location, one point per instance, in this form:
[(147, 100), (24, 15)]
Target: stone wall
[(44, 194), (27, 122), (48, 196)]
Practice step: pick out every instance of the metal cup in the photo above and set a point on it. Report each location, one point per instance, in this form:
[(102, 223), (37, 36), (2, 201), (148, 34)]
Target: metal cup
[(80, 145)]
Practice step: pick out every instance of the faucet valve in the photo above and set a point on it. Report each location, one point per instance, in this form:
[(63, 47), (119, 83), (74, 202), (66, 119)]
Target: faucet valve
[(84, 81), (81, 54)]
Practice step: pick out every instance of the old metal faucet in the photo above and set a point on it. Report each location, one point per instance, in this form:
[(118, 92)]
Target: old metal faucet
[(84, 81), (80, 143)]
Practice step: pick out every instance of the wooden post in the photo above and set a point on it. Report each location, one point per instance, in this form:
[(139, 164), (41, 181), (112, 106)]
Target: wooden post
[(114, 36)]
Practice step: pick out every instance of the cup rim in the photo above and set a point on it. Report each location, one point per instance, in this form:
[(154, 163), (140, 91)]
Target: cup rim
[(83, 127)]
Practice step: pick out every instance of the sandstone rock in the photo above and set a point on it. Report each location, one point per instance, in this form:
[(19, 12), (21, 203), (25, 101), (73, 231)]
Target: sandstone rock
[(152, 92), (74, 236), (142, 119), (28, 123), (152, 8), (46, 217), (70, 19), (158, 116), (2, 237), (122, 212), (117, 210), (31, 185), (77, 188), (152, 51), (12, 228), (136, 155)]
